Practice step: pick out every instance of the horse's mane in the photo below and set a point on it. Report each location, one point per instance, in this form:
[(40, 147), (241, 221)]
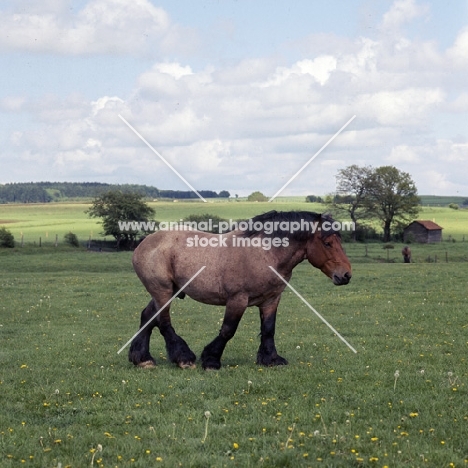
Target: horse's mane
[(278, 217)]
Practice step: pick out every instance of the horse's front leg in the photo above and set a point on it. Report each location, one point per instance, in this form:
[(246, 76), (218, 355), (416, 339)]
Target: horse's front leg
[(211, 356), (267, 355)]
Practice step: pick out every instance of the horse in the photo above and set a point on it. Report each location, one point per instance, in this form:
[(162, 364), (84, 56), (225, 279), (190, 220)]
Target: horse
[(406, 252), (237, 275)]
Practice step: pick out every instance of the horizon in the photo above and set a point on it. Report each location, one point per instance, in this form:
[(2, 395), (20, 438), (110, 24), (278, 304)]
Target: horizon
[(206, 189)]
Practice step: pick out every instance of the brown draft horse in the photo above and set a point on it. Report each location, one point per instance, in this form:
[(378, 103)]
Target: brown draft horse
[(235, 276)]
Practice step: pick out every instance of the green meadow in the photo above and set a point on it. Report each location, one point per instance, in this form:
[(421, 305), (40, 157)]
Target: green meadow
[(69, 399)]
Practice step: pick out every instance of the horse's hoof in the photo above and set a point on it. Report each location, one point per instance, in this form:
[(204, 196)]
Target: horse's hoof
[(270, 362), (279, 361), (147, 364), (187, 365), (212, 365)]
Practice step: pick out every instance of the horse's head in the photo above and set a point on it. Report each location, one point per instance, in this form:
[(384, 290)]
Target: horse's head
[(324, 251)]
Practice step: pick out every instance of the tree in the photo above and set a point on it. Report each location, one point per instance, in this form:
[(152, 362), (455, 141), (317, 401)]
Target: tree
[(351, 186), (114, 206), (313, 199), (391, 196), (257, 196)]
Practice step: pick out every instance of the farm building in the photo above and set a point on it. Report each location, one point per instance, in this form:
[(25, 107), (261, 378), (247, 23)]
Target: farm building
[(422, 231)]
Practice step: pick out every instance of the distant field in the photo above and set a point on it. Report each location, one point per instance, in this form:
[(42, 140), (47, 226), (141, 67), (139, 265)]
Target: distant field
[(435, 200), (45, 221)]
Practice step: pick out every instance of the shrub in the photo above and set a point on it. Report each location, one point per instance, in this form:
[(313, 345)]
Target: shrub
[(257, 196), (454, 206), (205, 218), (71, 239), (6, 238)]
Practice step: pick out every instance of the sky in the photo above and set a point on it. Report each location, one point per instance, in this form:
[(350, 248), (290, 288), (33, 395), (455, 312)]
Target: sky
[(235, 95)]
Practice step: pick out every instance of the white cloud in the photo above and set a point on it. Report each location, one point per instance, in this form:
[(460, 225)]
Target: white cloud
[(406, 107), (101, 27), (458, 53), (401, 12), (12, 103), (403, 153)]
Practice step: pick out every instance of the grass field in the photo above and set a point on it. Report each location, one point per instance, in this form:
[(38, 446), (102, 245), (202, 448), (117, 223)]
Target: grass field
[(67, 398), (65, 392)]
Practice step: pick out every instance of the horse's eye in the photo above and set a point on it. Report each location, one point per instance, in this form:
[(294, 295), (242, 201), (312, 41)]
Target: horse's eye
[(327, 244)]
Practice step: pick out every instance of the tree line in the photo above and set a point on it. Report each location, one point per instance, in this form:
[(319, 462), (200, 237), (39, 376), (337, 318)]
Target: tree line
[(45, 192)]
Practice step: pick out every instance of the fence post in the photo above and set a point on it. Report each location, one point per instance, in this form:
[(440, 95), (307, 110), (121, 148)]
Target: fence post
[(446, 256), (56, 240), (40, 241), (22, 240), (366, 251)]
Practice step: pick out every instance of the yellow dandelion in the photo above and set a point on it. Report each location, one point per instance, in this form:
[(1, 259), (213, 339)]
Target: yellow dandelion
[(159, 459), (413, 415), (235, 445)]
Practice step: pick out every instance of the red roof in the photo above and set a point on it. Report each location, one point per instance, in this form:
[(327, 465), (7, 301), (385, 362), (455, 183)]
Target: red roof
[(429, 225)]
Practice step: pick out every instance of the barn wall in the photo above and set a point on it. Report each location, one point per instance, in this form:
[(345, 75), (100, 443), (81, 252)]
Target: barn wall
[(418, 233), (415, 232), (434, 236)]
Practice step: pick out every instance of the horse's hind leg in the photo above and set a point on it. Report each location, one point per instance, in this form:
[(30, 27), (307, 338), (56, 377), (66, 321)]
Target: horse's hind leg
[(177, 349), (267, 355), (139, 349)]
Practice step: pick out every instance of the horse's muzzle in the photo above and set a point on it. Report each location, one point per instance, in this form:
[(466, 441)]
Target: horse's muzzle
[(340, 280)]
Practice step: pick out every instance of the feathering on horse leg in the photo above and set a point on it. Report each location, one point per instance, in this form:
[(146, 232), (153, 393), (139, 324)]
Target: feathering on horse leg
[(139, 349), (178, 350)]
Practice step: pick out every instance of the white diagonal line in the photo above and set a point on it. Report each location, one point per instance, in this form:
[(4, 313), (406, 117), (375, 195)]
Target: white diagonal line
[(162, 308), (160, 157), (312, 158), (313, 310)]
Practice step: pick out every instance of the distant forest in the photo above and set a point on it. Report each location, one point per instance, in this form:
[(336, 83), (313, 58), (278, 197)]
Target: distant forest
[(45, 192)]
